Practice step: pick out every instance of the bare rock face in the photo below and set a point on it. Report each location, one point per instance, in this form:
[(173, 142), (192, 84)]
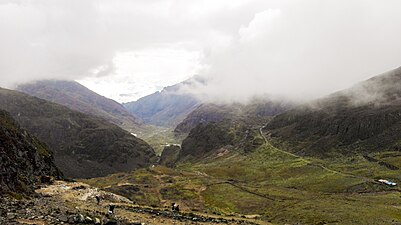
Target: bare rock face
[(23, 158)]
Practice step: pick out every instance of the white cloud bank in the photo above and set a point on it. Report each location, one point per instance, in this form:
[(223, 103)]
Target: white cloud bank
[(300, 49)]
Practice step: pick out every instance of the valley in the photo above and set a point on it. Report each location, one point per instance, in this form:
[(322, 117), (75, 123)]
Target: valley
[(268, 161), (270, 184)]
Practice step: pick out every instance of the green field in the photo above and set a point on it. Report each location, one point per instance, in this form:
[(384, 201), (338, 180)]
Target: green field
[(277, 186)]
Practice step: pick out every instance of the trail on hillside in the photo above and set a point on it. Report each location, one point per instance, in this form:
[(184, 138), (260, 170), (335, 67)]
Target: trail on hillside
[(366, 179)]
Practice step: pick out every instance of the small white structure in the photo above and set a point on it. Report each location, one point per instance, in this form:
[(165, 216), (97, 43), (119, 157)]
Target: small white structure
[(387, 182)]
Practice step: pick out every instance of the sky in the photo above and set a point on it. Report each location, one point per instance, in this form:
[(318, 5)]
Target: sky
[(126, 49)]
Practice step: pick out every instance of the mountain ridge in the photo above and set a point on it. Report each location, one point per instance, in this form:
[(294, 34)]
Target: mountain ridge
[(363, 118), (83, 146), (77, 97), (166, 107)]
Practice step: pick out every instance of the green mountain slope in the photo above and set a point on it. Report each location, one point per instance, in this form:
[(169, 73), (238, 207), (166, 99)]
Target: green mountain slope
[(83, 146), (23, 158), (363, 119), (257, 109)]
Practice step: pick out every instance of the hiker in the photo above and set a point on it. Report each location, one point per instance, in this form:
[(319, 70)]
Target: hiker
[(175, 207), (97, 199), (111, 209)]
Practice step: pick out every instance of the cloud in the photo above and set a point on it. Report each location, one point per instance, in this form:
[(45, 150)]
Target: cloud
[(245, 47), (303, 51)]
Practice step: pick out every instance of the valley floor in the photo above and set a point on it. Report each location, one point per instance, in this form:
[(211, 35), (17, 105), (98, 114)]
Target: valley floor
[(272, 185)]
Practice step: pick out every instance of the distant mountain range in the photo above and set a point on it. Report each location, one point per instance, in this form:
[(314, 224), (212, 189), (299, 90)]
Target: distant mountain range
[(23, 158), (84, 146), (167, 107), (77, 97), (364, 118)]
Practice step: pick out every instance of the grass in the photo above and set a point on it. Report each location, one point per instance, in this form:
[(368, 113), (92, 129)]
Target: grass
[(280, 187), (158, 137)]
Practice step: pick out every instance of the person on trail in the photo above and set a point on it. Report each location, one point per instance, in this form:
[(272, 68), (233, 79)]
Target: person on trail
[(97, 199), (111, 209), (175, 207)]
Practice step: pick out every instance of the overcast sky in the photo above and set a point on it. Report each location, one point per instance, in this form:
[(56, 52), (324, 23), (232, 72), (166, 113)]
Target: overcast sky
[(126, 49)]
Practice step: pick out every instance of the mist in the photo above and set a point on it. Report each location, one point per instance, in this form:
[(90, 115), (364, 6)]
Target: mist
[(298, 50)]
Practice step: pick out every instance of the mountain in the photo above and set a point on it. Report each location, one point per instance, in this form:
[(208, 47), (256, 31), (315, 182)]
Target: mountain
[(167, 107), (84, 146), (210, 112), (23, 158), (77, 97), (362, 119)]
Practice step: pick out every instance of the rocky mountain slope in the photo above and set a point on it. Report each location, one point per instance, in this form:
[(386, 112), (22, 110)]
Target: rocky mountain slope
[(77, 97), (167, 107), (23, 158), (83, 146), (365, 118), (209, 112)]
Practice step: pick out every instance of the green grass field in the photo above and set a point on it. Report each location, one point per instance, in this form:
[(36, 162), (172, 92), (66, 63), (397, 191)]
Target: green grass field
[(279, 187)]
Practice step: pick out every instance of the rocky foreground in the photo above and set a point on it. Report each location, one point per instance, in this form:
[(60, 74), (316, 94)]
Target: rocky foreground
[(75, 203)]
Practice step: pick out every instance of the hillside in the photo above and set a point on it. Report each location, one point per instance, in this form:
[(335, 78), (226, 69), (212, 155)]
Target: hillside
[(363, 119), (258, 109), (83, 146), (79, 98), (167, 107), (23, 158)]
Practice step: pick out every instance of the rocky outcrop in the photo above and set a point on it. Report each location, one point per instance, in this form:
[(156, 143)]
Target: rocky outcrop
[(204, 139), (23, 158), (204, 114), (169, 155), (83, 146)]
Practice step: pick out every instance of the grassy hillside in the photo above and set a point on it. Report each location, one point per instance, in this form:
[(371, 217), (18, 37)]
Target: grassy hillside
[(361, 120), (272, 184)]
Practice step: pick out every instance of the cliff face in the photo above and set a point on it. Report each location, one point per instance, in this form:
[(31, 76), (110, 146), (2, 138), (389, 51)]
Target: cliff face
[(83, 146), (23, 158), (364, 118)]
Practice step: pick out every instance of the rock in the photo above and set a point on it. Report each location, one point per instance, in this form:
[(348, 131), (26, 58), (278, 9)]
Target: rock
[(88, 219), (79, 218), (63, 218), (97, 221)]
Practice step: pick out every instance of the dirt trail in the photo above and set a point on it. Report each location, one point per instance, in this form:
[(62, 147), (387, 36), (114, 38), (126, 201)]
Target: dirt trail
[(310, 162), (75, 203)]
